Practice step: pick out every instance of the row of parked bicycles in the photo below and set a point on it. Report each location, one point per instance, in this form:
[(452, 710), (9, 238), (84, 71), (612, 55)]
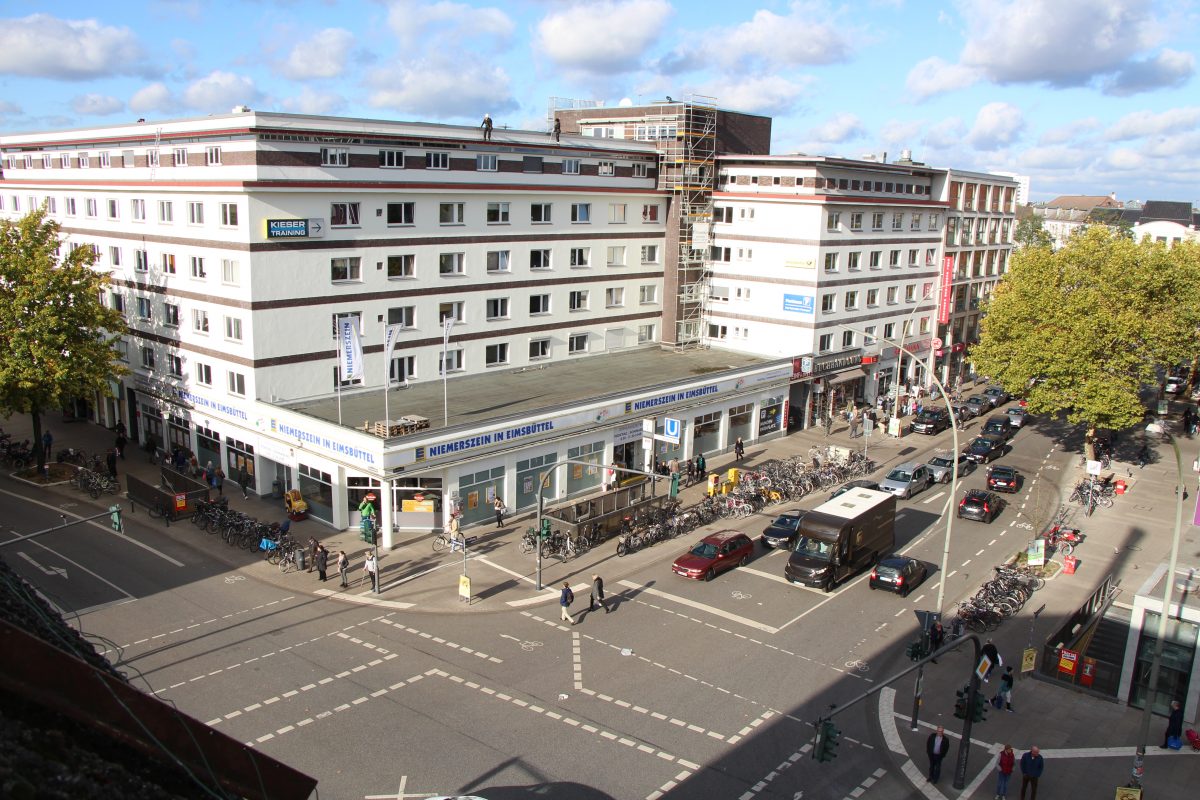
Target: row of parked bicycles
[(1093, 493), (95, 482), (998, 599), (238, 529), (14, 454)]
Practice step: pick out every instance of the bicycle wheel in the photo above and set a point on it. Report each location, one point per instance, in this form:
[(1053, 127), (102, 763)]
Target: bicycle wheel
[(525, 546), (1105, 501), (622, 548), (1066, 548), (94, 489), (286, 564), (439, 543)]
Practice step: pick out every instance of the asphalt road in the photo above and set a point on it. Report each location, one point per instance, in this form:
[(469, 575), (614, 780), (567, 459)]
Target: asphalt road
[(687, 688)]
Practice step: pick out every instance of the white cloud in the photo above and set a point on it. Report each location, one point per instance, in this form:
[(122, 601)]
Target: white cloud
[(322, 55), (220, 91), (1177, 147), (771, 94), (44, 46), (443, 90), (419, 24), (900, 133), (9, 108), (1065, 133), (1147, 123), (155, 97), (944, 135), (96, 105), (839, 128), (935, 76), (310, 101), (996, 125), (1054, 157), (1169, 69), (1124, 158), (799, 38), (602, 37)]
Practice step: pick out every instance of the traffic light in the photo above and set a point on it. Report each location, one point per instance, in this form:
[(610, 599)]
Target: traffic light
[(960, 702), (979, 708), (545, 532), (825, 746), (913, 651), (115, 511)]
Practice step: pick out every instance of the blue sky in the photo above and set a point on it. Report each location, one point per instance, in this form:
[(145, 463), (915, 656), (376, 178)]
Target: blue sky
[(1085, 96)]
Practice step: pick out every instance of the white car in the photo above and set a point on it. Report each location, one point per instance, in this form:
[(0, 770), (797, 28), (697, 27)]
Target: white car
[(1175, 383)]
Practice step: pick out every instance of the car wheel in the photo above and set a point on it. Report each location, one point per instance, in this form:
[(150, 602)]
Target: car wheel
[(904, 591), (708, 576), (873, 586), (745, 560)]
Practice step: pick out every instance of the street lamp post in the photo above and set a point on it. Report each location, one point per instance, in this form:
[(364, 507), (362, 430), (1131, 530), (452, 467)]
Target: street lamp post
[(1139, 755)]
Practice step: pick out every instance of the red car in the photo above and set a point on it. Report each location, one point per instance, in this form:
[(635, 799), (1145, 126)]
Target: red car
[(714, 553)]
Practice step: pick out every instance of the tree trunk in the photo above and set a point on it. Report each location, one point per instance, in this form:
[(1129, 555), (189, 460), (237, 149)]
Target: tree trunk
[(35, 414), (1089, 444)]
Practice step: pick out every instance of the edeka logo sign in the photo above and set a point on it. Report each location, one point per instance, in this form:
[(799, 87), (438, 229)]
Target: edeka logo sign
[(798, 303), (324, 442)]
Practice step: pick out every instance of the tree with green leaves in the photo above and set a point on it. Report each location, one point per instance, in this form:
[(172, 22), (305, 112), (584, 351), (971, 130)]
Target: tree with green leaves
[(59, 338), (1031, 232), (1093, 323)]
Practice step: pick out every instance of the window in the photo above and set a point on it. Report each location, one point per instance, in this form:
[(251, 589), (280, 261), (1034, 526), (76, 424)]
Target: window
[(531, 164), (497, 308), (346, 268), (889, 330), (723, 214), (914, 222), (452, 310), (143, 308), (833, 221), (914, 257), (539, 304), (897, 221), (872, 297), (650, 213), (894, 258), (579, 300), (64, 161), (343, 215), (581, 212), (391, 159), (148, 357), (105, 160), (891, 295), (580, 256), (230, 272), (168, 263), (825, 343), (829, 302), (856, 220), (335, 156), (539, 259), (497, 213), (70, 206), (616, 256), (831, 262), (718, 294), (437, 161), (577, 343), (229, 215), (237, 383), (85, 160), (614, 297), (606, 168), (196, 213), (166, 211), (910, 293), (495, 355), (847, 338), (152, 157), (114, 211), (198, 267), (199, 320), (570, 166), (233, 329), (649, 254), (641, 170), (877, 221), (486, 162), (175, 365), (851, 302), (717, 331), (114, 256), (935, 221), (212, 156), (179, 154), (450, 264), (402, 369), (924, 325), (874, 261), (117, 302), (405, 316), (171, 315), (51, 205), (852, 261), (498, 261), (930, 256), (450, 361), (616, 212), (742, 293), (539, 212), (141, 261), (869, 335), (137, 210), (539, 348), (203, 374)]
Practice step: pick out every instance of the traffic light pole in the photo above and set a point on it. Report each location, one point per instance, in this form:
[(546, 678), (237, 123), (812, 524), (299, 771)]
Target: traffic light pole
[(113, 513)]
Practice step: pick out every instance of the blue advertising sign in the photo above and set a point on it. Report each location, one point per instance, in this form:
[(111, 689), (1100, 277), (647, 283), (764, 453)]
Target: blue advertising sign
[(287, 229), (798, 303)]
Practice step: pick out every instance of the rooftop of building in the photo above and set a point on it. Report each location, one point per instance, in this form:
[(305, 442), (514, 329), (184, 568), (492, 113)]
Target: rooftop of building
[(665, 107), (517, 393), (1157, 210), (1084, 202)]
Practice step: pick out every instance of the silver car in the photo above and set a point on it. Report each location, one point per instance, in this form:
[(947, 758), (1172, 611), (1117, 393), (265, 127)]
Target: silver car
[(939, 466), (907, 479)]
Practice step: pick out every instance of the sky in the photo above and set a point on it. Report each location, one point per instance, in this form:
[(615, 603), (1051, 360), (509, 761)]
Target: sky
[(1083, 96)]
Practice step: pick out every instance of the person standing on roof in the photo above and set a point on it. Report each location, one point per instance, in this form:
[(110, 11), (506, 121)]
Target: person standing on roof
[(487, 127)]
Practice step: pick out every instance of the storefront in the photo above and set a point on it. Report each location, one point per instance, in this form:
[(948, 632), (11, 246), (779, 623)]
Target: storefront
[(706, 433), (582, 477), (741, 423), (477, 492), (628, 448), (316, 486), (529, 470), (208, 447), (179, 433)]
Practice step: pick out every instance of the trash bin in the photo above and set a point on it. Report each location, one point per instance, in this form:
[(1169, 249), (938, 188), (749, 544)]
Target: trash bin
[(712, 483), (1069, 564), (277, 490), (1119, 487), (301, 558)]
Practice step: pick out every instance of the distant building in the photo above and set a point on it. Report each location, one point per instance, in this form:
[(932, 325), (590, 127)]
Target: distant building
[(1066, 214), (1022, 185)]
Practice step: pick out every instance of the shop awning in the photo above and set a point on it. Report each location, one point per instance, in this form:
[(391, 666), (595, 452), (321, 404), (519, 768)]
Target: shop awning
[(848, 375)]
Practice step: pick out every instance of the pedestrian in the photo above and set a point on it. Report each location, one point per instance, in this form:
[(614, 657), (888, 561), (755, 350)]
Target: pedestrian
[(1174, 724), (371, 572), (321, 557), (557, 128), (110, 459), (47, 443), (739, 449), (120, 429), (487, 127), (498, 507), (343, 565), (1032, 765), (1004, 767), (937, 637), (993, 656), (219, 482), (701, 464), (853, 425), (936, 747), (597, 595), (314, 548), (1143, 456), (120, 443), (366, 511), (565, 598), (610, 477), (673, 466), (1004, 695), (244, 481)]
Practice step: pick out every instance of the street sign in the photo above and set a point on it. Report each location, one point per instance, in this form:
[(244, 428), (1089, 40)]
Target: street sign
[(1093, 467), (936, 344), (1028, 660), (1068, 661), (1035, 554), (672, 429), (981, 669), (464, 588)]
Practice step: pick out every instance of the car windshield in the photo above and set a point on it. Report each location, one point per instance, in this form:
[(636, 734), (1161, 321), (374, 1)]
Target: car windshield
[(928, 415), (981, 445), (941, 461), (887, 571), (901, 475), (705, 550), (786, 522), (814, 548)]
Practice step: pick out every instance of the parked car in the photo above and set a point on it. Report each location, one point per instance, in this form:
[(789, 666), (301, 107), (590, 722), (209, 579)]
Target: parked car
[(984, 449), (966, 411), (997, 395), (1017, 416), (1001, 478), (980, 506), (861, 483), (714, 554), (907, 479), (931, 420), (898, 574), (1175, 384), (782, 532), (999, 427), (939, 466), (979, 403)]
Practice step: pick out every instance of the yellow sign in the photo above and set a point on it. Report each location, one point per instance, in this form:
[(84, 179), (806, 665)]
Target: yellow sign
[(417, 505), (1028, 660), (464, 588), (801, 263), (1128, 793)]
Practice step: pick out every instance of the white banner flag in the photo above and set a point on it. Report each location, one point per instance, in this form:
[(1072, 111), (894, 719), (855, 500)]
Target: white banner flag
[(351, 349), (389, 343)]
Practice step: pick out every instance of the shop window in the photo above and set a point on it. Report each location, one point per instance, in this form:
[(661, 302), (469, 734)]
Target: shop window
[(317, 488)]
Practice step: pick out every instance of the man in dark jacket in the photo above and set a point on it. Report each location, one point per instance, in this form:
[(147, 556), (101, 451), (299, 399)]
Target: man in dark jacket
[(993, 655), (936, 747), (322, 560), (1174, 723), (1032, 765), (937, 637)]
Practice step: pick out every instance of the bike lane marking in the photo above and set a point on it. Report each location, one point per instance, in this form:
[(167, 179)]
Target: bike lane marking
[(929, 500), (198, 624)]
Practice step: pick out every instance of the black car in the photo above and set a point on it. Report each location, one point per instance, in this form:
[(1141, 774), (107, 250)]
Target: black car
[(861, 483), (980, 506), (999, 427), (931, 420), (898, 574), (1003, 479), (984, 449), (782, 532)]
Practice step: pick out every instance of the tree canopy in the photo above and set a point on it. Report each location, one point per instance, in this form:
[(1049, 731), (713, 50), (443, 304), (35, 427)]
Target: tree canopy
[(59, 338), (1093, 321), (1031, 232)]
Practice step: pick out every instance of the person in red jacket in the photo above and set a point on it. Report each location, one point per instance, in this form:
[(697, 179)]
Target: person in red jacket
[(1004, 763)]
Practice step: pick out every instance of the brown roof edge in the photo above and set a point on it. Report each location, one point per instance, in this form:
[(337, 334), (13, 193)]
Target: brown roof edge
[(52, 678)]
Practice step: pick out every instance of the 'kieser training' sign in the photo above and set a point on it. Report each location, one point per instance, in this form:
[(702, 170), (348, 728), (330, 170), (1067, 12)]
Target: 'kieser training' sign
[(295, 228)]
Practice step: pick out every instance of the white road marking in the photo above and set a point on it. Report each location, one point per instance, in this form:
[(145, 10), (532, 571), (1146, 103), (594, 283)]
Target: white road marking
[(979, 553), (439, 640), (367, 599), (644, 589), (769, 576), (929, 500), (992, 542), (548, 593)]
